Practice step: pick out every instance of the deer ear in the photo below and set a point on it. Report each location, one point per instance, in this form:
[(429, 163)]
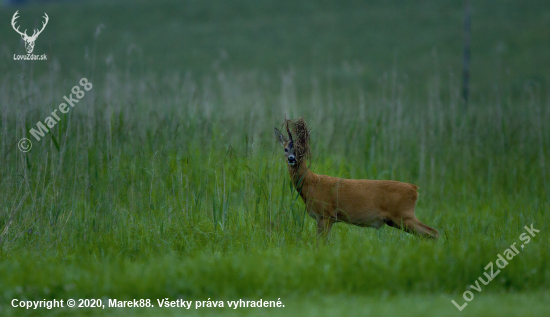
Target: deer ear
[(280, 137)]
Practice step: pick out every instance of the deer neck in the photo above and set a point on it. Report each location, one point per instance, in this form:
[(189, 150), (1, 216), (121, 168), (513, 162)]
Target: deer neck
[(300, 175)]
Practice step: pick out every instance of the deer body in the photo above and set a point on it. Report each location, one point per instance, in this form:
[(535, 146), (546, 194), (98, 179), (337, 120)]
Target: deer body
[(364, 203)]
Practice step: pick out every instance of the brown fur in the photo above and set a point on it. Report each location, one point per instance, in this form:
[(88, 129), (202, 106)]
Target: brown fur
[(364, 203)]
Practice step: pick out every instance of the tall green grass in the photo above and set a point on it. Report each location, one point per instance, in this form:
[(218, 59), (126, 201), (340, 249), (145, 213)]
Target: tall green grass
[(180, 178)]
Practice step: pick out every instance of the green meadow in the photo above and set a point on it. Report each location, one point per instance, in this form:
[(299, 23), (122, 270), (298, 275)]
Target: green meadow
[(165, 181)]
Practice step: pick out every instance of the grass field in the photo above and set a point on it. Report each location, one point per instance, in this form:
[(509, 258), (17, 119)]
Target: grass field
[(165, 179)]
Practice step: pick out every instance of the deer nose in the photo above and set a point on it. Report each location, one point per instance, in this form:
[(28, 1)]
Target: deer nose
[(291, 158)]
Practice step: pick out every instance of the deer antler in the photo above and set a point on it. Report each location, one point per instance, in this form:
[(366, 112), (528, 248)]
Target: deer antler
[(288, 130), (43, 26), (13, 24)]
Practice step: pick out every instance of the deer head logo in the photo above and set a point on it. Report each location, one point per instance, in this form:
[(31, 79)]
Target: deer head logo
[(29, 40)]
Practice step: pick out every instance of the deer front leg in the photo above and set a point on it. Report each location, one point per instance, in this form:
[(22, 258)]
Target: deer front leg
[(323, 227)]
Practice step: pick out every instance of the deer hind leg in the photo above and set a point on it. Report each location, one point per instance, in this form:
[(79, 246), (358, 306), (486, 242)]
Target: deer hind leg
[(414, 226), (431, 232)]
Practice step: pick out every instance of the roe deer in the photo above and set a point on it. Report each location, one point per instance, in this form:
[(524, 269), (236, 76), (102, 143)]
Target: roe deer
[(364, 203)]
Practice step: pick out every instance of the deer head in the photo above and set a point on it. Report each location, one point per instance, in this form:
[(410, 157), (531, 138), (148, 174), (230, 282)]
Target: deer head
[(297, 145), (29, 40), (288, 145)]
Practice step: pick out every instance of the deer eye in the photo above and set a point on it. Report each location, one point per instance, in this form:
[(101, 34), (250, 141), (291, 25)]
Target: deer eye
[(286, 150)]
